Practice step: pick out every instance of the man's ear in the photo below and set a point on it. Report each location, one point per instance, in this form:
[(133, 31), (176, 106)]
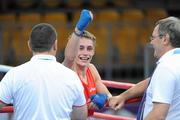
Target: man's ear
[(55, 45), (166, 39), (29, 46)]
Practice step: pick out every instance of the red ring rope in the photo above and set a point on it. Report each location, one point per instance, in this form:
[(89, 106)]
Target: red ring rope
[(6, 109), (111, 117), (119, 85)]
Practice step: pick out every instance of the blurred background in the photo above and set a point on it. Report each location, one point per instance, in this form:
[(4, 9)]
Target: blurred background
[(122, 29)]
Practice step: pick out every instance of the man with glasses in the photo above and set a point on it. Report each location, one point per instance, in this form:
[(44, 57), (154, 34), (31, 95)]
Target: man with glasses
[(161, 93)]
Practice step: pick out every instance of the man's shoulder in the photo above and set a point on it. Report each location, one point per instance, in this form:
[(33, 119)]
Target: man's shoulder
[(66, 69), (18, 67), (171, 61)]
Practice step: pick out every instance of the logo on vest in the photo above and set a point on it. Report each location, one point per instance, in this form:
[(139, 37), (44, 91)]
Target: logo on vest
[(92, 89)]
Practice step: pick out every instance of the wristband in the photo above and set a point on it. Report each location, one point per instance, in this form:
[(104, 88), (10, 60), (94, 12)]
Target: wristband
[(79, 34)]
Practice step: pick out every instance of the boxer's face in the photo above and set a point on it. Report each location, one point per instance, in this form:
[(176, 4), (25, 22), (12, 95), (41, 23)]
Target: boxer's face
[(85, 52)]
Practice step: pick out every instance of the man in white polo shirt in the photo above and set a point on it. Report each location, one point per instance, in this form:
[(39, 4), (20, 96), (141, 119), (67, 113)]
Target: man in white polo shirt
[(161, 99), (42, 88)]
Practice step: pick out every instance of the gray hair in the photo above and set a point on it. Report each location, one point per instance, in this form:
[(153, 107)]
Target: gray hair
[(170, 26)]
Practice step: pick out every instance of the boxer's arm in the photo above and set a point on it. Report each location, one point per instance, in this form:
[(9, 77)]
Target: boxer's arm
[(73, 42)]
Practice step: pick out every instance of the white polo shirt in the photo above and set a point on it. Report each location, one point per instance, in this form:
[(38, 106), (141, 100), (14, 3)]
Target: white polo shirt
[(42, 89), (165, 85)]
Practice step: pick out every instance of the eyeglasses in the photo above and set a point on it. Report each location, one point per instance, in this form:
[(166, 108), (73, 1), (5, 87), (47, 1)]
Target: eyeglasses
[(154, 37)]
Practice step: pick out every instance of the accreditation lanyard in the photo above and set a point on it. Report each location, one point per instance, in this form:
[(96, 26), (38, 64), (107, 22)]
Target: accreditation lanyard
[(142, 105)]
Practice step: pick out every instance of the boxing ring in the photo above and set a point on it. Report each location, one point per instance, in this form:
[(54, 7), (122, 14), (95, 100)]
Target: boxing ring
[(108, 83)]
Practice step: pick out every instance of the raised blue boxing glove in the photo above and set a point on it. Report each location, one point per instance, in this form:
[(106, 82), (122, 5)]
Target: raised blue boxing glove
[(99, 99), (85, 17)]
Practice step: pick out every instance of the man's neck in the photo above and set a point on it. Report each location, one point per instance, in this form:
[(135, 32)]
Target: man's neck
[(44, 53)]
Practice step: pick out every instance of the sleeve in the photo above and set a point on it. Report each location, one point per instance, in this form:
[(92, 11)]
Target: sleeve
[(80, 99), (6, 88), (164, 85)]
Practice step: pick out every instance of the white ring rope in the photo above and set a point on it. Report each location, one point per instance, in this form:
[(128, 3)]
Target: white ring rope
[(5, 68)]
